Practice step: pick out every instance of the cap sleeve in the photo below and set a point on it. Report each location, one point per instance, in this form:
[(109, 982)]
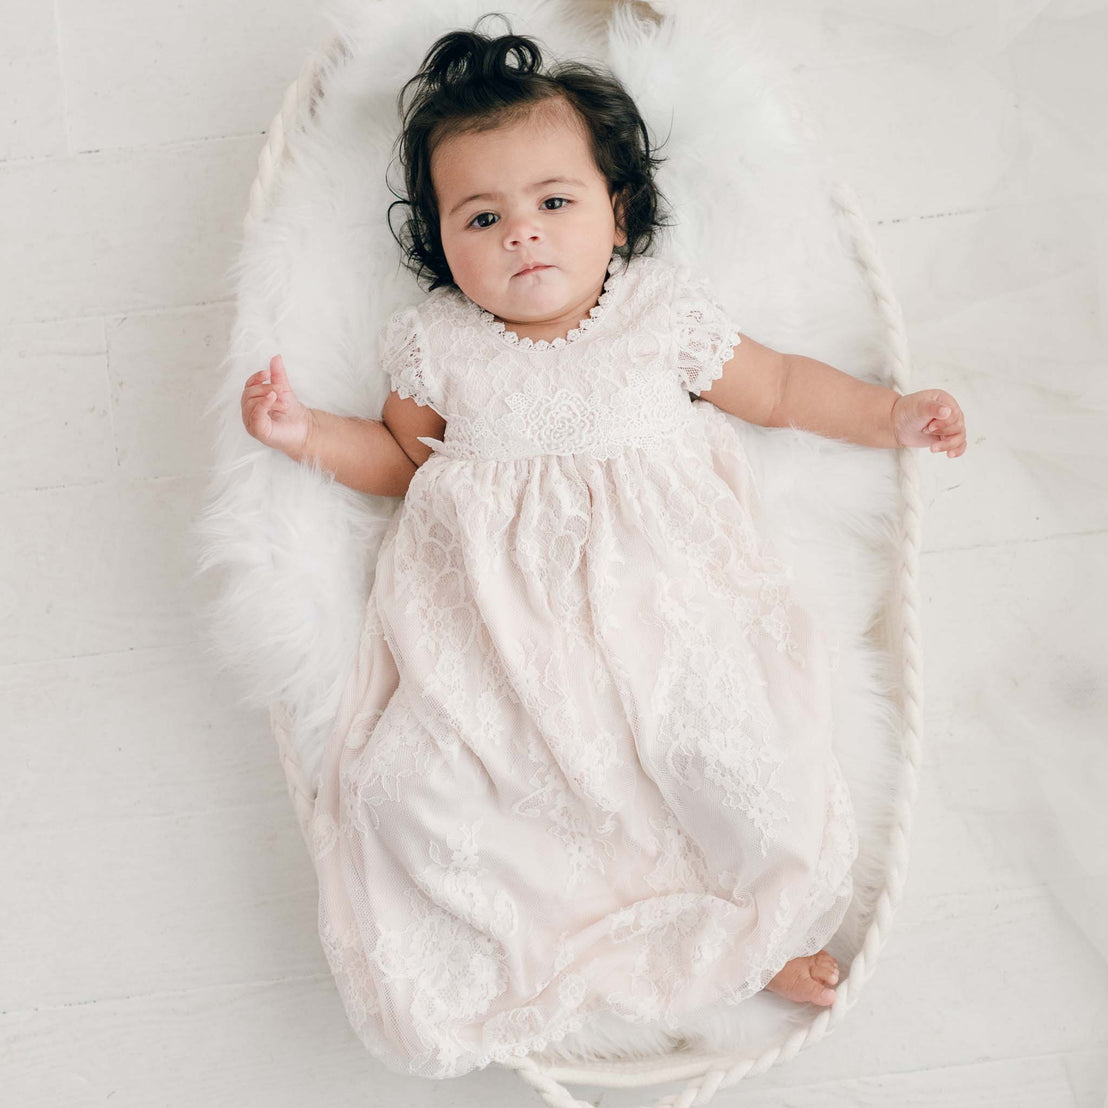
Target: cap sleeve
[(405, 357), (706, 335)]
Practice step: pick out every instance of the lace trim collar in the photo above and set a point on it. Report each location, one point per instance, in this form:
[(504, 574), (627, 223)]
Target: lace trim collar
[(616, 272)]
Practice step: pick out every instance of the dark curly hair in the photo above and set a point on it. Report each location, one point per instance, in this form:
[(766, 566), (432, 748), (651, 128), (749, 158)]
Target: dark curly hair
[(465, 85)]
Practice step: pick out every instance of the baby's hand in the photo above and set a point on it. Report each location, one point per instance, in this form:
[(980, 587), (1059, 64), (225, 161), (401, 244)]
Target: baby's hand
[(271, 412), (930, 418)]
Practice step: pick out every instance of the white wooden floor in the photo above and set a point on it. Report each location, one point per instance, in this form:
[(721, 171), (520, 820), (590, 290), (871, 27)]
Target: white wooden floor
[(158, 943)]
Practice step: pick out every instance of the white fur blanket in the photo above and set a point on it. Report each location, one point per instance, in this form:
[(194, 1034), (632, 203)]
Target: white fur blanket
[(317, 277)]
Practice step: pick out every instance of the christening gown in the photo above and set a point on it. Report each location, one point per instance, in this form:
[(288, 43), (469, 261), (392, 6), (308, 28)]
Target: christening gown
[(583, 764)]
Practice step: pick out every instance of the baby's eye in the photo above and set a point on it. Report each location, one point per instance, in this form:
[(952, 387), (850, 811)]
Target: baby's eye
[(548, 200)]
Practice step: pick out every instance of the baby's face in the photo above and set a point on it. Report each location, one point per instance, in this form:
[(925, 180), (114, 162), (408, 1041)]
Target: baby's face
[(567, 225)]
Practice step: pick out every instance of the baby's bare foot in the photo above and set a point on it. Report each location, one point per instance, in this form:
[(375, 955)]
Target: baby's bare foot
[(809, 980)]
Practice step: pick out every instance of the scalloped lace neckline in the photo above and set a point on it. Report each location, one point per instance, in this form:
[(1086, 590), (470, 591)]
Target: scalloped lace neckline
[(596, 313)]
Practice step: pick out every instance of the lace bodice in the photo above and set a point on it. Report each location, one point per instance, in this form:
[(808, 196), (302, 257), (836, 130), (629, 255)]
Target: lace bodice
[(622, 377)]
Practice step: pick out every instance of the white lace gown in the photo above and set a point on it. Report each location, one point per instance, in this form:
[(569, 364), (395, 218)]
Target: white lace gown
[(583, 765)]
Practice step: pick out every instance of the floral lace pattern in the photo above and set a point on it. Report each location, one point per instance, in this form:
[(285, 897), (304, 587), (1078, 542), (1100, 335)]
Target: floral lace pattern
[(583, 764)]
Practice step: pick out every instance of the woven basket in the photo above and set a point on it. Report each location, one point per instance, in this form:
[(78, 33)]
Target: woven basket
[(704, 1074)]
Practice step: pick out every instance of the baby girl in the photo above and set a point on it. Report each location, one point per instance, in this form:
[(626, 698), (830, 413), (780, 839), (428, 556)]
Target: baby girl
[(584, 765)]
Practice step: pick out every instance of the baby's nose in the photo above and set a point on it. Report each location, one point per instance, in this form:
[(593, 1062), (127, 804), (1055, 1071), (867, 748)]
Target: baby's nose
[(523, 229)]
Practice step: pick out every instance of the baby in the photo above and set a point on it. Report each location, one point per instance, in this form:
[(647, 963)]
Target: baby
[(549, 371), (536, 260)]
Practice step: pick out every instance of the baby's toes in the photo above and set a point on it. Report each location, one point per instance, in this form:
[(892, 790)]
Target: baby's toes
[(825, 968)]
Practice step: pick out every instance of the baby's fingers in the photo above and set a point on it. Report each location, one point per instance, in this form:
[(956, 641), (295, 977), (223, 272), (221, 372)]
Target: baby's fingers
[(952, 444), (259, 400), (948, 435), (257, 416), (277, 371)]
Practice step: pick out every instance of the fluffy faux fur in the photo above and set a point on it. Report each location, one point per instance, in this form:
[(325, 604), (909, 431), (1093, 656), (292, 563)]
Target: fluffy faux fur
[(319, 274)]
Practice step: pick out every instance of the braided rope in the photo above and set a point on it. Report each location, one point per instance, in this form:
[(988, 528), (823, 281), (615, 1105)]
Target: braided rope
[(299, 104), (717, 1074)]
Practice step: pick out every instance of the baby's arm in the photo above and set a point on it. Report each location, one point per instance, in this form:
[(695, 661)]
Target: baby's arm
[(772, 389), (361, 453), (817, 397), (820, 398), (409, 421)]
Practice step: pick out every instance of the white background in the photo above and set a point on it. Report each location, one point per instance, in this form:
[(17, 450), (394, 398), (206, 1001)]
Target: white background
[(158, 943)]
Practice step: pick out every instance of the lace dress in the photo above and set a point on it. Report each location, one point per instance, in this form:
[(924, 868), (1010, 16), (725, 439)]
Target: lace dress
[(582, 766)]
